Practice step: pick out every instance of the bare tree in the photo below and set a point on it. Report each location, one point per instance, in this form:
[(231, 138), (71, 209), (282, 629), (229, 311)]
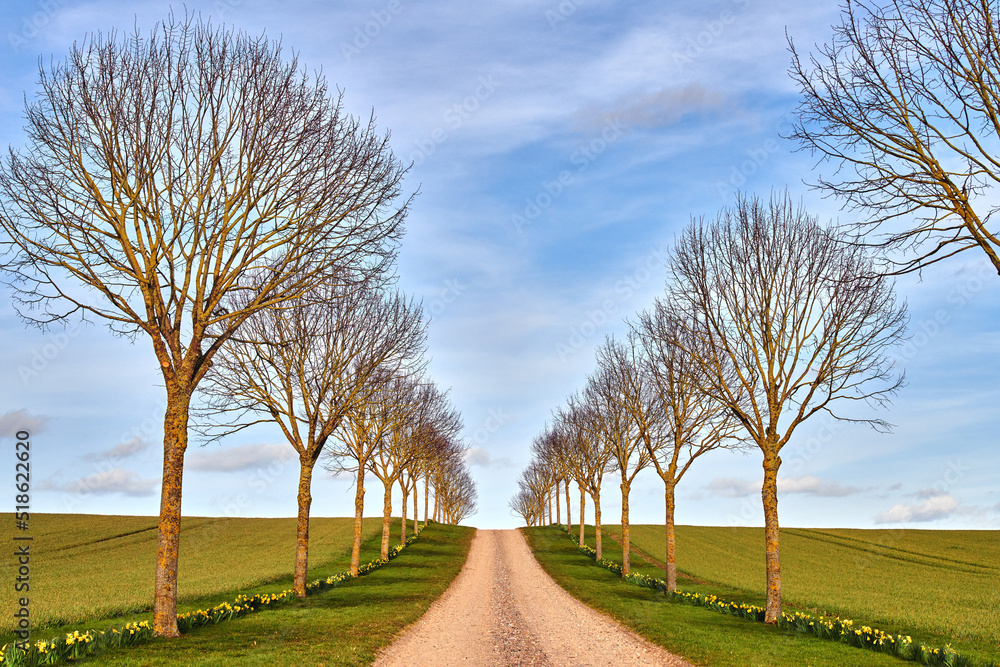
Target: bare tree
[(167, 173), (304, 366), (551, 449), (440, 423), (905, 103), (790, 321), (594, 457), (608, 393), (524, 504), (678, 421), (454, 486), (360, 435)]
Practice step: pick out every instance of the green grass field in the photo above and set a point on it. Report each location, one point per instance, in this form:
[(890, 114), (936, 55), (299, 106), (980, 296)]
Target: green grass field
[(701, 636), (346, 625), (938, 586), (86, 567)]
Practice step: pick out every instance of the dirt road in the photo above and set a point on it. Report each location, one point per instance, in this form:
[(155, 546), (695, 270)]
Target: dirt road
[(503, 609)]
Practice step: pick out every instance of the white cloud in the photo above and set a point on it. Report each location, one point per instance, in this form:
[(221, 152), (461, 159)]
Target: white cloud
[(480, 456), (116, 480), (122, 450), (814, 486), (938, 506), (731, 487), (241, 457), (663, 108), (21, 420)]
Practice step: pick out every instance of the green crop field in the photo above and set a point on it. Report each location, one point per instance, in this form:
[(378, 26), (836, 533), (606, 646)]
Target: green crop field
[(86, 567), (944, 585)]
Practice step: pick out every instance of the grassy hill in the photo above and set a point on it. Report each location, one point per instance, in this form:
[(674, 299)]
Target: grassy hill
[(93, 566), (940, 585)]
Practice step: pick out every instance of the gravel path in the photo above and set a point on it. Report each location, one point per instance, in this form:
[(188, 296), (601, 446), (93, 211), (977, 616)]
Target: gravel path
[(503, 609)]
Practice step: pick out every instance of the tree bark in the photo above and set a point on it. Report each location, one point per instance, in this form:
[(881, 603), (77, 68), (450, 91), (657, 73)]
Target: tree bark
[(306, 464), (416, 508), (597, 522), (168, 535), (558, 507), (583, 507), (769, 494), (359, 508), (626, 561), (671, 539), (569, 518), (406, 498), (427, 497), (386, 519)]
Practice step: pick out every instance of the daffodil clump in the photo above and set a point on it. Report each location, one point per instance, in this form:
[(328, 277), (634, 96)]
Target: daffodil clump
[(79, 644), (74, 645), (836, 629)]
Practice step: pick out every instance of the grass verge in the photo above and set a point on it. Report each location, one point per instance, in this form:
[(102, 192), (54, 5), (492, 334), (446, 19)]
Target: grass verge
[(346, 625), (936, 586), (699, 635)]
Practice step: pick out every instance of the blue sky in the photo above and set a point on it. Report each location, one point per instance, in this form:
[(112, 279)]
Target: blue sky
[(558, 147)]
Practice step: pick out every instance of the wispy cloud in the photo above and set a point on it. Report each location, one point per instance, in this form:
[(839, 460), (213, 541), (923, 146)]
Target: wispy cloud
[(116, 480), (655, 110), (480, 456), (732, 487), (21, 420), (122, 450), (937, 506), (241, 457), (815, 486)]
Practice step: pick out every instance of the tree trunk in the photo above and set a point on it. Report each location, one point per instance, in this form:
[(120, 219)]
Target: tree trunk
[(406, 498), (359, 508), (569, 518), (427, 497), (548, 498), (769, 494), (671, 539), (386, 519), (583, 507), (597, 522), (437, 507), (558, 508), (416, 507), (168, 535), (626, 561), (306, 464)]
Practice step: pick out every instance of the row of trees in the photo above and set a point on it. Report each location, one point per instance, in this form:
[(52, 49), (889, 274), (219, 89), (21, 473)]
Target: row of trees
[(768, 319), (341, 371), (776, 318), (213, 197)]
